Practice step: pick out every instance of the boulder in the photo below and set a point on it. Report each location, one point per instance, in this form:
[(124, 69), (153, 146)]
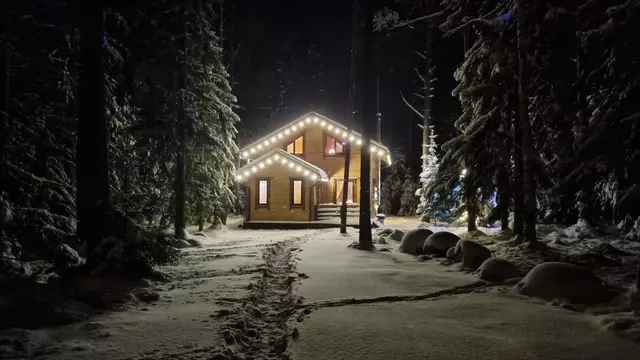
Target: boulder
[(451, 255), (564, 281), (439, 242), (194, 242), (181, 244), (473, 254), (497, 270), (413, 241), (383, 232), (379, 239), (396, 235)]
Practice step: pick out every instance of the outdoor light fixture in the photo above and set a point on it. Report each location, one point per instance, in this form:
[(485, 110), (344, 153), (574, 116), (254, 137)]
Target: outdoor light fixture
[(269, 161), (380, 152), (372, 148), (463, 173), (276, 156), (280, 136), (239, 177), (245, 154), (351, 138), (253, 150), (261, 165), (259, 146), (315, 119), (323, 123), (330, 127), (308, 120), (253, 169), (273, 139), (294, 128), (301, 123), (306, 172), (344, 134), (299, 168), (291, 165), (359, 142), (314, 177)]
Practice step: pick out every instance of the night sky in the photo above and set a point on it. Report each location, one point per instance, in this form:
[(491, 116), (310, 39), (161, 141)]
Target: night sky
[(305, 44)]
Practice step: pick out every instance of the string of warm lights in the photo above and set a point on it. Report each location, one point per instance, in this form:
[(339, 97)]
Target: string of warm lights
[(262, 163), (337, 130)]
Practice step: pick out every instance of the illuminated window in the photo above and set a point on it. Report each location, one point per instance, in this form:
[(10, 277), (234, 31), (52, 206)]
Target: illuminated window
[(262, 193), (332, 146), (296, 147), (297, 195)]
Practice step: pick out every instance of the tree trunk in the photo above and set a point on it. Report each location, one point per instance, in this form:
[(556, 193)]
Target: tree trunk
[(4, 104), (350, 110), (471, 199), (345, 188), (518, 225), (528, 168), (368, 115), (426, 116), (92, 165), (504, 185), (180, 181)]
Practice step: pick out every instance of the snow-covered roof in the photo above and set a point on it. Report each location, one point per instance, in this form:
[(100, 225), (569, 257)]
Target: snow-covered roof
[(299, 124), (279, 156)]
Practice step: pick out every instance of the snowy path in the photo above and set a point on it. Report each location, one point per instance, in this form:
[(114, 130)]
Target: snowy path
[(385, 305), (201, 312)]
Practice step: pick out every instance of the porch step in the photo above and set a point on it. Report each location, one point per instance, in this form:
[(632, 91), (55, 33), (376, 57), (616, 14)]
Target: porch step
[(329, 211)]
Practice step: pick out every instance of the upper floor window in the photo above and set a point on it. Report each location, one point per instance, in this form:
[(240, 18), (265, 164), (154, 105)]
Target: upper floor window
[(332, 146), (296, 147)]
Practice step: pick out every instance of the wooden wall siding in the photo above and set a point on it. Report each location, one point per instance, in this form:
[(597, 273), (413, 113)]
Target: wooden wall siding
[(334, 165), (279, 196)]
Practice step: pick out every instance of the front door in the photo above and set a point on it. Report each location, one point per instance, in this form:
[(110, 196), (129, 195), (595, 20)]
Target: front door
[(340, 186)]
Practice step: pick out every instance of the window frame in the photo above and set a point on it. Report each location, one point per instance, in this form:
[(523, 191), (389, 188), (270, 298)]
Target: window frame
[(257, 196), (304, 146), (292, 181), (335, 141)]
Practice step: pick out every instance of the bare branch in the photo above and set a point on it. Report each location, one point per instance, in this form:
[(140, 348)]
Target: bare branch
[(411, 107), (420, 75), (426, 17), (482, 18), (423, 56)]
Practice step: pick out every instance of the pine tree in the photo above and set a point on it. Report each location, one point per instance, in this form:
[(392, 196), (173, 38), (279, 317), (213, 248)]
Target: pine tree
[(427, 177)]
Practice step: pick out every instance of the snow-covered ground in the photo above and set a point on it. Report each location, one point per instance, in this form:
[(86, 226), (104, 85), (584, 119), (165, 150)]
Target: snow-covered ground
[(378, 305), (270, 294), (183, 324)]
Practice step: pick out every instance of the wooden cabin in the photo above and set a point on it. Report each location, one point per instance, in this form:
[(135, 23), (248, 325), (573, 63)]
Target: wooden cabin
[(296, 173)]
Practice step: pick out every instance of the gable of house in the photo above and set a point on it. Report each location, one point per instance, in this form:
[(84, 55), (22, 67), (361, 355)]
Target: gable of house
[(291, 137)]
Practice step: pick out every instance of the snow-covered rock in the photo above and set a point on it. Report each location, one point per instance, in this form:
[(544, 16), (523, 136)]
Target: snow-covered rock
[(413, 241), (581, 229), (564, 281), (451, 255), (497, 270), (379, 239), (194, 242), (182, 244), (397, 235), (383, 232), (69, 255), (200, 234), (473, 254), (439, 242)]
